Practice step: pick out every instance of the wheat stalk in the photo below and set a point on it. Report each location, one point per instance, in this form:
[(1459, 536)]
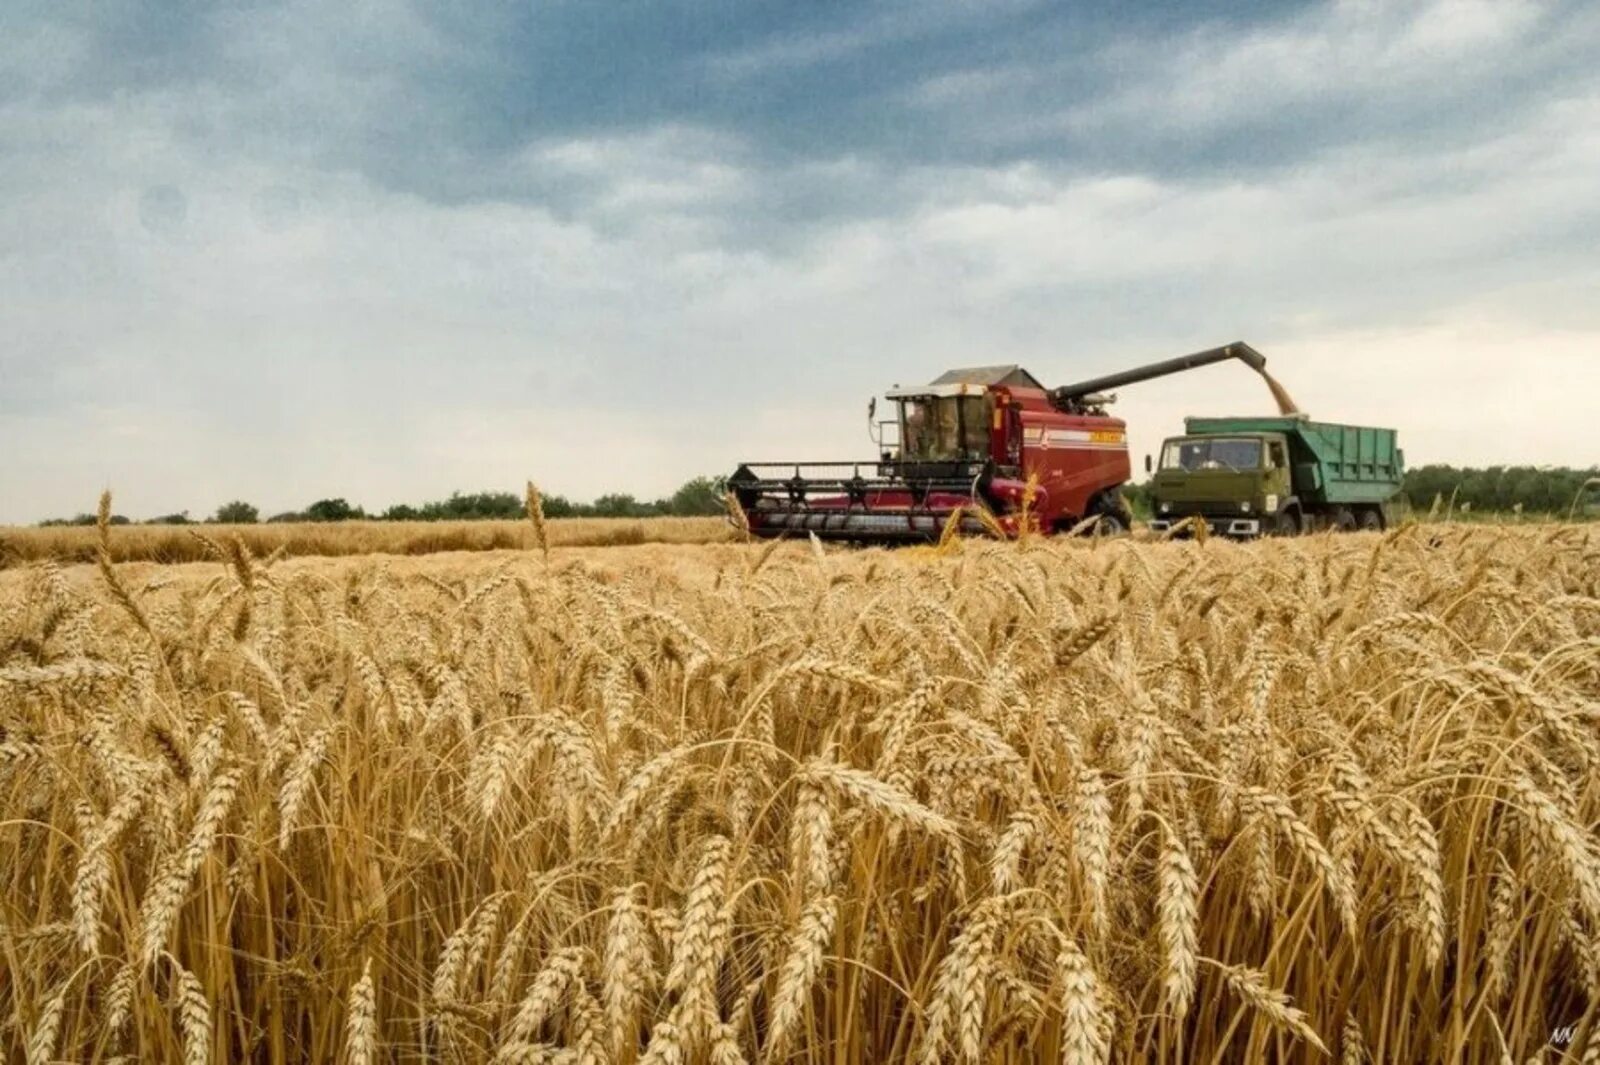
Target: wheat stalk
[(1083, 1024), (41, 1046), (801, 965), (534, 505), (1178, 923), (629, 970), (164, 898), (561, 971), (702, 939), (1252, 987), (361, 1025), (194, 1013)]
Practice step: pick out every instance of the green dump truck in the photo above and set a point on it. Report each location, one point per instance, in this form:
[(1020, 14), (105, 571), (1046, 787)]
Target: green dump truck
[(1278, 475)]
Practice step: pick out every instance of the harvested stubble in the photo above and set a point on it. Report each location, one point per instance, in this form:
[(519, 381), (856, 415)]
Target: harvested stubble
[(1068, 800)]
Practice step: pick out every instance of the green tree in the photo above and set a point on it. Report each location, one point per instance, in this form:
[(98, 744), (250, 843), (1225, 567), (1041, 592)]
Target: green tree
[(333, 510), (237, 512), (1496, 489), (701, 495), (618, 505), (473, 505)]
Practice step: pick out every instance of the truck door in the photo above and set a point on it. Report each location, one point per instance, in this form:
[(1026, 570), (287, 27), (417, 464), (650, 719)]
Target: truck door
[(1276, 485)]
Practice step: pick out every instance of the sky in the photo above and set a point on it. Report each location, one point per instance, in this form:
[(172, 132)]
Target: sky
[(384, 251)]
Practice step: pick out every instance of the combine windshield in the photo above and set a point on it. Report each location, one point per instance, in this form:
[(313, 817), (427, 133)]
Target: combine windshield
[(944, 429), (1211, 453)]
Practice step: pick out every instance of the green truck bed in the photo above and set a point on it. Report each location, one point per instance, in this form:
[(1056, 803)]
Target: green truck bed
[(1333, 464)]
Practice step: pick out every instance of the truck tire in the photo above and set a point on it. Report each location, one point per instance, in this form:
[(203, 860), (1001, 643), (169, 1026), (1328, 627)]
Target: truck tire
[(1342, 520), (1287, 523), (1371, 519)]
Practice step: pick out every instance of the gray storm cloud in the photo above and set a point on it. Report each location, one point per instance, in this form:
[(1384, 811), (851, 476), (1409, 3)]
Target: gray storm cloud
[(292, 252)]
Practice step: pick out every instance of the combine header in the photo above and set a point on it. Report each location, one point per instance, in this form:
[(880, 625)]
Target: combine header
[(972, 439)]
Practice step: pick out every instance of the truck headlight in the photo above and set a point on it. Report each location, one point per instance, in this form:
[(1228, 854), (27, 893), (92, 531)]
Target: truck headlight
[(1245, 506), (1165, 507)]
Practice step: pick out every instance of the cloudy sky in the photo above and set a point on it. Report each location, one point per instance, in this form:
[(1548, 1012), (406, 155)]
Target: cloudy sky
[(384, 250)]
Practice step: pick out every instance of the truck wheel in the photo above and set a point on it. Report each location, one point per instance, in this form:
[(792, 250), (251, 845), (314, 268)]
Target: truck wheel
[(1287, 523), (1343, 520), (1371, 520)]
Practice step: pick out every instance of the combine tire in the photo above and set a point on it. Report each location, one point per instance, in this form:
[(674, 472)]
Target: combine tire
[(1371, 520), (1112, 510), (1110, 524)]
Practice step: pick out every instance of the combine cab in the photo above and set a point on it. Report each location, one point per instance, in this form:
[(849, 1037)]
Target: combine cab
[(971, 440)]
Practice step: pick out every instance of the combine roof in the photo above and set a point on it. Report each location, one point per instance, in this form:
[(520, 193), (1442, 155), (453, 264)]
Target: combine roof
[(1012, 375)]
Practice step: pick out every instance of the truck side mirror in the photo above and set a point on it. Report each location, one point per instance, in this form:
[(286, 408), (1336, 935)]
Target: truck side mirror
[(1148, 465)]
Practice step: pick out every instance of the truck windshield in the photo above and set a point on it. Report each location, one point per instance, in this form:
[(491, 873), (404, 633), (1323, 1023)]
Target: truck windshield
[(1211, 453), (944, 428)]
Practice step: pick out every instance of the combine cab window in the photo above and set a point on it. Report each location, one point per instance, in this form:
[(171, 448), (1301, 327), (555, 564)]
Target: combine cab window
[(1211, 453), (945, 429)]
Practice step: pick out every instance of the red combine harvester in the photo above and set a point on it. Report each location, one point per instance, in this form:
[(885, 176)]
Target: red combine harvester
[(972, 438)]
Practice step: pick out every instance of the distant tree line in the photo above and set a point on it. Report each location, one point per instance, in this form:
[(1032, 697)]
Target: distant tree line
[(699, 496), (1491, 489), (1535, 489)]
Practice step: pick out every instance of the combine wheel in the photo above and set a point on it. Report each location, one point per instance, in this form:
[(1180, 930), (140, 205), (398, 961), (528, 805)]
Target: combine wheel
[(1112, 510), (1371, 519), (1110, 524), (1342, 520)]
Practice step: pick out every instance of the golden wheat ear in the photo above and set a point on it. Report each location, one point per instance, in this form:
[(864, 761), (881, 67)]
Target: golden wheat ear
[(950, 535), (534, 504), (736, 514)]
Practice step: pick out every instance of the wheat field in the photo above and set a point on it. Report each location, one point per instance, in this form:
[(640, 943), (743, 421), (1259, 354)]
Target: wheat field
[(194, 543), (1330, 797)]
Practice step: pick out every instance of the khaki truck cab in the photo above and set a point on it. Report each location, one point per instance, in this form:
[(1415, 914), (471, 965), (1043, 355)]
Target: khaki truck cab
[(1238, 484), (1280, 475)]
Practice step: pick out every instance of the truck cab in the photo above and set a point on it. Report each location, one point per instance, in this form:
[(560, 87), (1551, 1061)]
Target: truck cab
[(1238, 482)]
